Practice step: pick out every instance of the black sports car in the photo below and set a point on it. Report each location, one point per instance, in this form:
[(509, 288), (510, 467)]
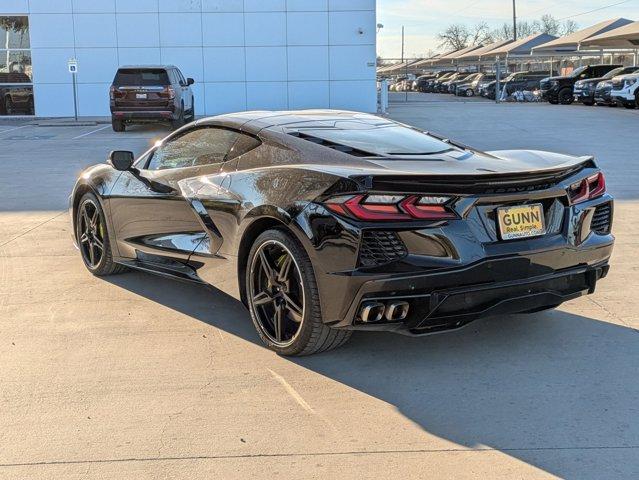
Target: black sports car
[(325, 222)]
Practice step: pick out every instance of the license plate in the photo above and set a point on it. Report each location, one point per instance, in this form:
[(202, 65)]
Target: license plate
[(522, 221), (140, 96)]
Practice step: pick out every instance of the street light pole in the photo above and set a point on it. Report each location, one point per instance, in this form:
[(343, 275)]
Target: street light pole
[(514, 21)]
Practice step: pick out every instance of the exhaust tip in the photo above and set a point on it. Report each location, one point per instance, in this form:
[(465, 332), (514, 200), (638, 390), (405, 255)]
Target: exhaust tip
[(396, 311), (371, 312)]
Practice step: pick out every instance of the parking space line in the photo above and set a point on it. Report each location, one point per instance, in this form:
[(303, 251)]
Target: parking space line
[(89, 133), (12, 129)]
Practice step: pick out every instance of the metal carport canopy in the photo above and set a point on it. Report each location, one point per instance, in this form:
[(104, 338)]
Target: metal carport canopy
[(622, 37), (480, 52), (521, 47), (574, 41)]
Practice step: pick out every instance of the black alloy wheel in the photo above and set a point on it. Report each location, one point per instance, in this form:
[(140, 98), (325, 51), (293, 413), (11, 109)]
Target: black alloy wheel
[(277, 293), (91, 234), (93, 239), (470, 92), (283, 299)]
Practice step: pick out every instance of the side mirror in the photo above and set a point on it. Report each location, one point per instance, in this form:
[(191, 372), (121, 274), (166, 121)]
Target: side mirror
[(121, 160), (190, 81)]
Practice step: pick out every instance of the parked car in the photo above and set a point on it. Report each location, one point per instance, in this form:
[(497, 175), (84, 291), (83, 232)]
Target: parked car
[(452, 87), (17, 98), (473, 88), (560, 89), (517, 81), (325, 222), (625, 90), (151, 93), (445, 85), (420, 83), (431, 85), (584, 90)]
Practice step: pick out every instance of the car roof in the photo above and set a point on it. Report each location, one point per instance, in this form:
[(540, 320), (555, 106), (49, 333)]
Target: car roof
[(255, 121), (141, 67)]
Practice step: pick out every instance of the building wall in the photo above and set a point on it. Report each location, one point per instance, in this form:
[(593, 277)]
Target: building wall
[(243, 54)]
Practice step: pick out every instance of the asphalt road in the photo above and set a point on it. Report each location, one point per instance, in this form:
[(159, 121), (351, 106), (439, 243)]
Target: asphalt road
[(136, 377)]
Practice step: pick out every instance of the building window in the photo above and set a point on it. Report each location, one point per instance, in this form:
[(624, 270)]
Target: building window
[(16, 73)]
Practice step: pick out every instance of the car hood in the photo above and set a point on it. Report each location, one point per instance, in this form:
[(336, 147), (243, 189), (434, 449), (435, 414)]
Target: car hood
[(559, 77), (591, 80), (626, 76)]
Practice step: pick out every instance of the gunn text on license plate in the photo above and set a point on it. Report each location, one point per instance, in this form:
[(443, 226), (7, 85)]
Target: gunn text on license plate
[(521, 221)]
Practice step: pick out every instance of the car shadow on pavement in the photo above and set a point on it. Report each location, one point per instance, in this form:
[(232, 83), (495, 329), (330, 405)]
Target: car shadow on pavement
[(555, 390)]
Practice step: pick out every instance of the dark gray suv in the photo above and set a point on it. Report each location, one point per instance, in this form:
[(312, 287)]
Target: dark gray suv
[(151, 93)]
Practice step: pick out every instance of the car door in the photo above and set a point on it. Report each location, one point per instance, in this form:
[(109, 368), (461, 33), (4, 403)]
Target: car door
[(185, 90), (151, 218)]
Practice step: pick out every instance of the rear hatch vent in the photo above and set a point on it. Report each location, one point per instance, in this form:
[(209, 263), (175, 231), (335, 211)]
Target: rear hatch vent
[(332, 145)]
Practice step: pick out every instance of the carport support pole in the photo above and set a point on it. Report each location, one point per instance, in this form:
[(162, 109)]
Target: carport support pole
[(634, 63), (497, 79)]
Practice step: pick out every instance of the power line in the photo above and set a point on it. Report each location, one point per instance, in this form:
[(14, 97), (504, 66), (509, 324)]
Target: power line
[(594, 10)]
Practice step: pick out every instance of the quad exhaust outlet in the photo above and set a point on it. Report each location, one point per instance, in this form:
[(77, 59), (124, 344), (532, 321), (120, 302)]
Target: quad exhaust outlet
[(371, 312)]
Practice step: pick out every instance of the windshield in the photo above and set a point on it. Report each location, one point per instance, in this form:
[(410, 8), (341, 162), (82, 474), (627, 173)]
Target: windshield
[(577, 72), (141, 77), (613, 73), (387, 140)]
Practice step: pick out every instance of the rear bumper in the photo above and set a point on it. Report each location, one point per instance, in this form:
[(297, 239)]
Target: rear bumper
[(438, 304), (153, 115)]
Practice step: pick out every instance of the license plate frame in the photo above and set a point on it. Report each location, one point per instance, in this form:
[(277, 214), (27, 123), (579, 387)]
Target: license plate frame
[(529, 225), (141, 96)]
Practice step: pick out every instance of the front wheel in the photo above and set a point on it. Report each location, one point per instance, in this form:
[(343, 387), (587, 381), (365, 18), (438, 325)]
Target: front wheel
[(283, 298), (565, 96), (93, 238), (470, 92)]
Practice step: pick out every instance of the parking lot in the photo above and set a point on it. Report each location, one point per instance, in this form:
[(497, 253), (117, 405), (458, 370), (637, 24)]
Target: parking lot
[(135, 376)]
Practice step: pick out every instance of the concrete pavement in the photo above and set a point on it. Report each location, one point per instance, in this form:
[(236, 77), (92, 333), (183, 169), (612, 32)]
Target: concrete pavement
[(138, 377)]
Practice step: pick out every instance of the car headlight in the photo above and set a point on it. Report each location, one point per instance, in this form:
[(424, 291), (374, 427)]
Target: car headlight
[(630, 82), (554, 83), (579, 84)]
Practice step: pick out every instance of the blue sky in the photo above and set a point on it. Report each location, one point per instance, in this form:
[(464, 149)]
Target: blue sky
[(423, 19)]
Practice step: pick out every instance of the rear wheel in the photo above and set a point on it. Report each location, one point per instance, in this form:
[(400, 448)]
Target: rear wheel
[(283, 297), (553, 102), (565, 96), (118, 125), (469, 92), (8, 106), (179, 121), (93, 238)]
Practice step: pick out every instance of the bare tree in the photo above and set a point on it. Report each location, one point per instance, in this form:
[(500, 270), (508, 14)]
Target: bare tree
[(568, 27), (549, 25), (481, 34), (455, 37)]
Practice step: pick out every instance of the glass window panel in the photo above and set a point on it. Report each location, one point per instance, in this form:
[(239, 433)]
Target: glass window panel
[(15, 66), (14, 32), (16, 100)]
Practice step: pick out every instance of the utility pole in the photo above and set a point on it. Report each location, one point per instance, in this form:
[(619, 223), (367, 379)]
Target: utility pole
[(514, 21), (405, 68), (402, 43)]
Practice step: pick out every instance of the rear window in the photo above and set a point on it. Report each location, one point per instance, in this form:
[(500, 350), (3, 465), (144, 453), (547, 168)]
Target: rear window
[(141, 77), (388, 140)]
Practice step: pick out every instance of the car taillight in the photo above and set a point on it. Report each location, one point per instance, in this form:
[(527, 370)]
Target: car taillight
[(115, 93), (391, 207), (590, 187), (168, 92)]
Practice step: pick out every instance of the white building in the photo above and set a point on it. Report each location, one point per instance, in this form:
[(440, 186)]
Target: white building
[(243, 54)]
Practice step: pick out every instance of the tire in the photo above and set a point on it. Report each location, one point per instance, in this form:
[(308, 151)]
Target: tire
[(469, 92), (8, 106), (192, 111), (588, 103), (553, 102), (105, 265), (565, 96), (118, 125), (178, 122), (311, 334), (629, 106)]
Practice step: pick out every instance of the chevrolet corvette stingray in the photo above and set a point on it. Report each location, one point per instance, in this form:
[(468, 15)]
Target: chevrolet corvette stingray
[(325, 222)]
